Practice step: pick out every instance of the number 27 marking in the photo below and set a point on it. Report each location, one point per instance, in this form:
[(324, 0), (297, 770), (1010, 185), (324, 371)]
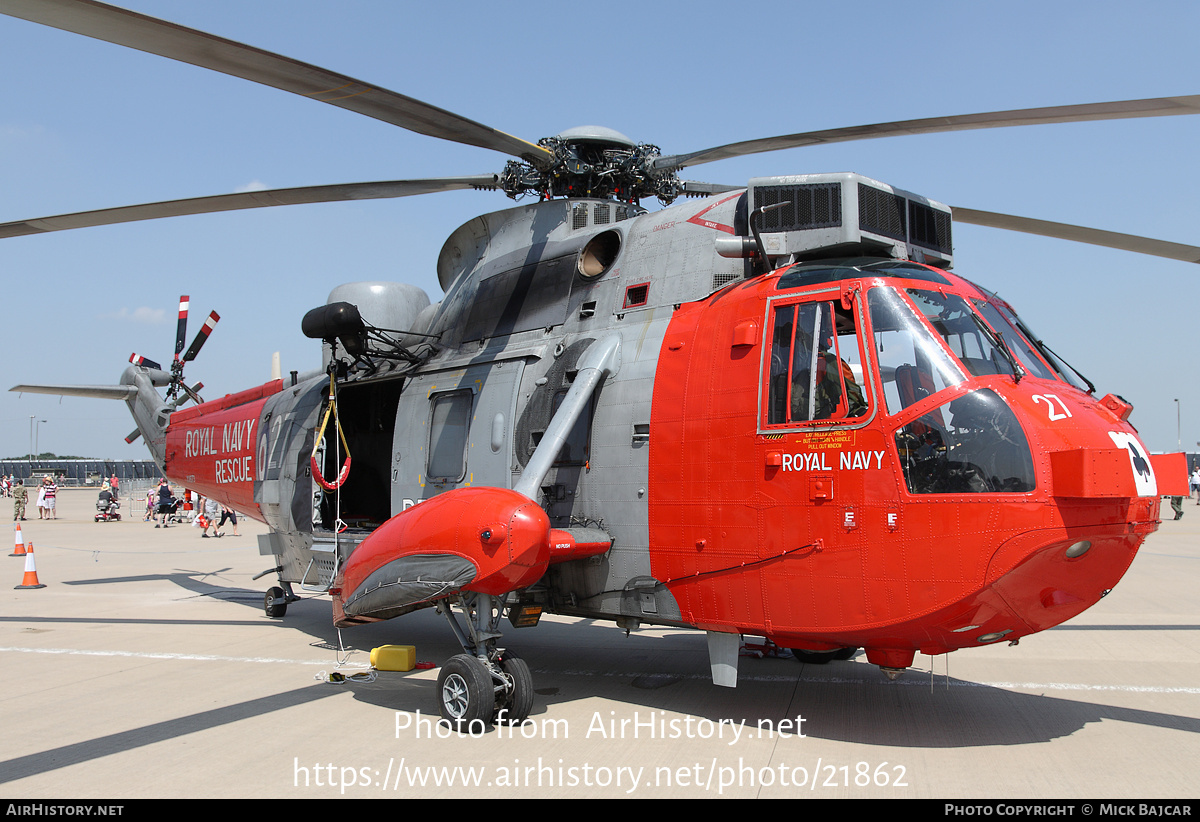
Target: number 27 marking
[(1051, 400)]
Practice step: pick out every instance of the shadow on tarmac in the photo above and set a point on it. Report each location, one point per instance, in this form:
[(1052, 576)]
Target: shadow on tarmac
[(656, 677)]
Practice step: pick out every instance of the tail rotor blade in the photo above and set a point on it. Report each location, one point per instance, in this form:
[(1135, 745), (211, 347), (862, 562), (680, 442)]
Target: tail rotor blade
[(181, 328), (139, 360), (201, 336), (194, 392)]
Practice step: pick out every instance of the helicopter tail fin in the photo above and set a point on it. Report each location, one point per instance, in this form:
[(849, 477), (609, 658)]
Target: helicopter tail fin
[(138, 390)]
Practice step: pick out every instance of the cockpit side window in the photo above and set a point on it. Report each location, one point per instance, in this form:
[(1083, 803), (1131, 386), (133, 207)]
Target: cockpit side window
[(970, 445), (912, 364), (815, 369)]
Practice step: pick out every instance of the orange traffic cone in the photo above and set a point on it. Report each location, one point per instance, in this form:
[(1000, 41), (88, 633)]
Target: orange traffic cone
[(30, 580), (19, 550)]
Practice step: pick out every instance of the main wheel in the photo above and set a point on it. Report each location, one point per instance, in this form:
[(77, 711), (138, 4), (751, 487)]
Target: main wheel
[(466, 696), (519, 702), (823, 657), (275, 603)]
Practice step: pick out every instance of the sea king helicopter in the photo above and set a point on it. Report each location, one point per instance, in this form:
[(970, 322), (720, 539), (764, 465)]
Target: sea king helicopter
[(769, 411)]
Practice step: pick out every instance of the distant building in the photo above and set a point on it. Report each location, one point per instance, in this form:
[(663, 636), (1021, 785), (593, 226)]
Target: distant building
[(81, 472)]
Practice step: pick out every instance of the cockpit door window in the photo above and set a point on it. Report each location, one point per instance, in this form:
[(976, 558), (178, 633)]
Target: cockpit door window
[(815, 369)]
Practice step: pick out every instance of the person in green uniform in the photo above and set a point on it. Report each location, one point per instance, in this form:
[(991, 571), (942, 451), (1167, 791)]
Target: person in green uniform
[(20, 497)]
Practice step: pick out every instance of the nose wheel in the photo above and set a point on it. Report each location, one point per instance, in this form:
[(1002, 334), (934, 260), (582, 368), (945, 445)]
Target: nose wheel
[(466, 697), (514, 707), (476, 690)]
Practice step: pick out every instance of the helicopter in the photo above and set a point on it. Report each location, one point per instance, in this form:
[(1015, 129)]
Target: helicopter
[(767, 409)]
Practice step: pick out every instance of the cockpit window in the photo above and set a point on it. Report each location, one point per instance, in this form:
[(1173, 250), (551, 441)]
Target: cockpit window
[(964, 332), (815, 372), (1016, 341), (970, 445), (1063, 370), (912, 365)]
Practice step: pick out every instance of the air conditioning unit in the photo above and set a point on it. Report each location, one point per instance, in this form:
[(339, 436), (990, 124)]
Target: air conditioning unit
[(847, 215)]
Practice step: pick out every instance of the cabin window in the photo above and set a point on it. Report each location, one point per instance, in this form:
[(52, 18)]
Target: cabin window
[(815, 368), (575, 449), (449, 424), (912, 364)]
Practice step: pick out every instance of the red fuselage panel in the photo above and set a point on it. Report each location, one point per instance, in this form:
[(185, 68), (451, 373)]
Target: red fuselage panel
[(211, 448)]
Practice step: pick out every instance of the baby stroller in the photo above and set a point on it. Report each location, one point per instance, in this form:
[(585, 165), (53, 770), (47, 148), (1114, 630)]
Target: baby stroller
[(107, 507), (173, 509)]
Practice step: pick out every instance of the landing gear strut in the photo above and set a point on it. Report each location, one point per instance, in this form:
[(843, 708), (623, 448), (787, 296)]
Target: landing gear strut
[(486, 684)]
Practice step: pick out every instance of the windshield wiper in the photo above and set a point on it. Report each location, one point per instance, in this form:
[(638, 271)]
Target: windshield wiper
[(998, 340)]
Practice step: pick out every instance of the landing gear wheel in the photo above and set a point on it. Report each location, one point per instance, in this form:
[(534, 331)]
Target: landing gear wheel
[(823, 657), (466, 695), (517, 704), (275, 603)]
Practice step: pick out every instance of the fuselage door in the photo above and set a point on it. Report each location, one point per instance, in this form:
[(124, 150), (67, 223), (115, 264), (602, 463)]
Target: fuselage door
[(454, 429)]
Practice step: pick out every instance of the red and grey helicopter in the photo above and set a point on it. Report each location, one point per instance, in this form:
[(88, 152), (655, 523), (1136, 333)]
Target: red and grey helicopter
[(769, 411)]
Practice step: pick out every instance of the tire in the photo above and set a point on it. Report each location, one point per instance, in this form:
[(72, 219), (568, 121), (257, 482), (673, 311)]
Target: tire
[(823, 657), (275, 603), (466, 696), (519, 703)]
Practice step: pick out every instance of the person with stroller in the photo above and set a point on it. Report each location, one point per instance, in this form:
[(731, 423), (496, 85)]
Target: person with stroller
[(166, 503)]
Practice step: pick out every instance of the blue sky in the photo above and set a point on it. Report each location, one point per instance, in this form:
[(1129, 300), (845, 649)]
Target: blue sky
[(86, 124)]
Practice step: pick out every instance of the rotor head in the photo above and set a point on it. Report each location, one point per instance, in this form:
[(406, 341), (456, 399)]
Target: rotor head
[(596, 162)]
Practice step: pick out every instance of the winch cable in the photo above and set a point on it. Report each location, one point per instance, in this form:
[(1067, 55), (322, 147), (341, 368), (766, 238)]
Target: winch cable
[(335, 486)]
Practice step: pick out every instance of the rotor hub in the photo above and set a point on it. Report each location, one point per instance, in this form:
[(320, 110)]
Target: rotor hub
[(595, 162)]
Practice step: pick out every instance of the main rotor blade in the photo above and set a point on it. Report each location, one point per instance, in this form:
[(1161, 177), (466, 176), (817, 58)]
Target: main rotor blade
[(697, 188), (1156, 107), (1080, 234), (149, 34), (247, 199)]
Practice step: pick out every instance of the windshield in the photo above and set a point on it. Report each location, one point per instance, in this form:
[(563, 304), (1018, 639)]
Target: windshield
[(1015, 340), (1066, 372), (912, 365), (970, 340)]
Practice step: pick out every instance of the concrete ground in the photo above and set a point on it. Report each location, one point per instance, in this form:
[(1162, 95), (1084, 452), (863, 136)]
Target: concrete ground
[(146, 668)]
